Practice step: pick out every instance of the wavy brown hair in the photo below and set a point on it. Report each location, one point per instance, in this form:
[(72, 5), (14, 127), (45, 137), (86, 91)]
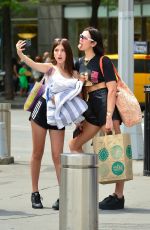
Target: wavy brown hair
[(69, 55)]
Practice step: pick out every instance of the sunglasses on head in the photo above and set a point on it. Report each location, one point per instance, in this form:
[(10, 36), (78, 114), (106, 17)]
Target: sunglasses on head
[(85, 38), (60, 39)]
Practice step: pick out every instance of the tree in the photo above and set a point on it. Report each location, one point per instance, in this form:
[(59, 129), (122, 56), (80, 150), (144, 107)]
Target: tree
[(95, 5), (6, 6), (7, 53), (94, 17)]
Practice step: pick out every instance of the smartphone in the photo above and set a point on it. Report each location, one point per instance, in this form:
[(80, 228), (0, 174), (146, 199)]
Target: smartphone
[(28, 43)]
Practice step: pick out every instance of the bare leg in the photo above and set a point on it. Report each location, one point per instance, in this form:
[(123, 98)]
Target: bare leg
[(38, 136), (119, 185), (77, 143), (57, 143)]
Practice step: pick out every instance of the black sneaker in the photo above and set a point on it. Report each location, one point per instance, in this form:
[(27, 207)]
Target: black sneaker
[(55, 206), (112, 203), (36, 200)]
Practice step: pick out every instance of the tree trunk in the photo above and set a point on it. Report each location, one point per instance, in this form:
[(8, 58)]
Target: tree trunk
[(94, 18), (7, 53)]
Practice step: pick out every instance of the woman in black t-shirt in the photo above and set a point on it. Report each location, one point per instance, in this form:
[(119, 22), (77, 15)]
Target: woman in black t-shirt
[(102, 113)]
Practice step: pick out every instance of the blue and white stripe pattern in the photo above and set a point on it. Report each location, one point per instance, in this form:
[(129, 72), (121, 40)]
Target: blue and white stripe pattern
[(68, 106)]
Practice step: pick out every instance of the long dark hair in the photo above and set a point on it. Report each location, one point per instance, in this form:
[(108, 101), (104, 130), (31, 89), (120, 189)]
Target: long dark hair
[(97, 37), (69, 55)]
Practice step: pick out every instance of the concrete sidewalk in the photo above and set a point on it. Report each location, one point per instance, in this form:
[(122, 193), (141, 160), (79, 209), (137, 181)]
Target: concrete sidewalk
[(16, 103), (15, 189), (16, 212)]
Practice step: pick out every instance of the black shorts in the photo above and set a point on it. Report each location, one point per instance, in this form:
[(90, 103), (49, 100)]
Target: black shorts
[(97, 108), (38, 115)]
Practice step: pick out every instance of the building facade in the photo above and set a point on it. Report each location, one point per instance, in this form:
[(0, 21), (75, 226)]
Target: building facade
[(46, 21)]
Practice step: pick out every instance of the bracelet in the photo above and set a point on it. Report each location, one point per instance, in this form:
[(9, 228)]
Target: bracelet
[(109, 113)]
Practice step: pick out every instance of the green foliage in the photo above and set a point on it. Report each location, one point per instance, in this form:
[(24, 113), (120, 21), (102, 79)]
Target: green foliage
[(34, 1), (47, 2), (109, 2), (16, 4), (112, 4), (9, 3)]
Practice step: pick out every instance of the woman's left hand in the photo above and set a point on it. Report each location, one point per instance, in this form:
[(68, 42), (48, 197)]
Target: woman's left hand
[(109, 124)]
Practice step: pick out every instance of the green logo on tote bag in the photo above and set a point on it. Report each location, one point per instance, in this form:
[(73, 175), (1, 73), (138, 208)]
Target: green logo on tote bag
[(104, 170), (117, 168), (116, 151), (103, 154), (129, 152)]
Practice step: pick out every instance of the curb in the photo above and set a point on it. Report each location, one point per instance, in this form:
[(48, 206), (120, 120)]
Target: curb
[(6, 160), (17, 106), (14, 104)]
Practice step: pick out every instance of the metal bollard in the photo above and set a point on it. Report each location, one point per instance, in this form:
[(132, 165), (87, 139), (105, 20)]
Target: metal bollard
[(6, 118), (147, 131), (3, 141), (79, 192)]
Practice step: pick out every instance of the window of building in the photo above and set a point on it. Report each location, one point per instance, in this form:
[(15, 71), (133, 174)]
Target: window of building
[(139, 66), (24, 26), (77, 18), (147, 66), (25, 30)]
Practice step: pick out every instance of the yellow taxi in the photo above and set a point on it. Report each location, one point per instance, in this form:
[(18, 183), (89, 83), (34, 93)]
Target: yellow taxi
[(141, 74)]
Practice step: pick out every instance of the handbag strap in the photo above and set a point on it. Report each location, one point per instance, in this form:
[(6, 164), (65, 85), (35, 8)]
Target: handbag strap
[(44, 78), (115, 70)]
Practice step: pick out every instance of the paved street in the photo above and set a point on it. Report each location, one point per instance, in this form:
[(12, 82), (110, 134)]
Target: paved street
[(15, 189)]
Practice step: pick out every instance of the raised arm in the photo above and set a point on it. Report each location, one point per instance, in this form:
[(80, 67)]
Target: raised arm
[(41, 67)]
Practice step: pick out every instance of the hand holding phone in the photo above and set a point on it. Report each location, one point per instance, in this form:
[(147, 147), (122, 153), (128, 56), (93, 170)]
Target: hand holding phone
[(27, 43)]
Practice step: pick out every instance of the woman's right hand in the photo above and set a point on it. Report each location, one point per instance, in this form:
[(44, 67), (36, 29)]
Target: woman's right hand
[(41, 67), (79, 126), (20, 46), (83, 77)]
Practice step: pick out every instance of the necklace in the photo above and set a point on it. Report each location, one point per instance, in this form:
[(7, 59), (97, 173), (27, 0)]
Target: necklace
[(86, 62)]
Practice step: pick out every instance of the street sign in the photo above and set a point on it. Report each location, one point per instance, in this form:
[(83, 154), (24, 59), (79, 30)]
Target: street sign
[(141, 47)]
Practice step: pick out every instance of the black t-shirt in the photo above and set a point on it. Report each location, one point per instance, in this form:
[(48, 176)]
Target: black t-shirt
[(92, 68)]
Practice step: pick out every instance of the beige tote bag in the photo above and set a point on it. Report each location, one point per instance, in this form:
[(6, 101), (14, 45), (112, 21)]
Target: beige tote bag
[(115, 157)]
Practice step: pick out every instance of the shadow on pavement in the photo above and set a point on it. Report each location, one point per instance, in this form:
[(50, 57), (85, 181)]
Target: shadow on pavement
[(13, 213), (127, 210)]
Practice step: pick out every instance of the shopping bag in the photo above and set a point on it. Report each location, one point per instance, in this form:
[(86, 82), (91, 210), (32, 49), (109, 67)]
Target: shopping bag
[(35, 93), (114, 157), (126, 102)]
